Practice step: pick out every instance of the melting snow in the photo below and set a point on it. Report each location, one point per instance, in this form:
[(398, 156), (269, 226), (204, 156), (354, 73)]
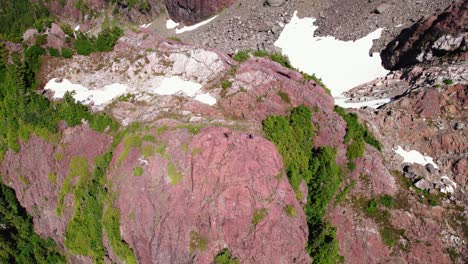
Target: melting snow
[(206, 99), (170, 24), (77, 28), (342, 65), (189, 28), (414, 156), (99, 97), (371, 103)]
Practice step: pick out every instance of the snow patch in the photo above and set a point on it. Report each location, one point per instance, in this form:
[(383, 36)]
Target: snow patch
[(193, 27), (176, 85), (371, 103), (77, 28), (145, 25), (342, 65), (450, 185), (414, 156), (98, 97), (170, 24)]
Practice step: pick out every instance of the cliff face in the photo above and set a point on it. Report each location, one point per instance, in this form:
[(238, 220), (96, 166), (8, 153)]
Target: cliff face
[(195, 178), (192, 11)]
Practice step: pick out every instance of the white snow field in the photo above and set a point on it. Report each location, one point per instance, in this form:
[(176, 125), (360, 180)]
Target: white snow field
[(342, 65), (193, 27), (99, 97), (414, 156), (104, 96)]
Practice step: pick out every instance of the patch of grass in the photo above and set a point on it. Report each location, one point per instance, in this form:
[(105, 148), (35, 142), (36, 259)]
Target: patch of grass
[(389, 236), (225, 84), (197, 241), (284, 97), (260, 53), (371, 207), (67, 53), (290, 210), (241, 56), (174, 38), (259, 215), (52, 177), (147, 151), (161, 129), (192, 128), (342, 195), (196, 151), (149, 138), (58, 156), (281, 59), (173, 174), (138, 171), (224, 257)]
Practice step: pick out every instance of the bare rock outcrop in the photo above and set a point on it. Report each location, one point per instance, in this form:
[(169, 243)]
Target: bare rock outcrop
[(192, 11)]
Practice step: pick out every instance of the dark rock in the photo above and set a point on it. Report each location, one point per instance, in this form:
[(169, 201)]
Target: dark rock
[(275, 3), (193, 11)]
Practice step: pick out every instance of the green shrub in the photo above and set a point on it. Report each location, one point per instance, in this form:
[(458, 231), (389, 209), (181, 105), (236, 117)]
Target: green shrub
[(67, 53), (53, 52), (107, 39), (386, 200), (84, 45), (226, 84), (371, 207), (224, 257), (448, 81), (241, 56)]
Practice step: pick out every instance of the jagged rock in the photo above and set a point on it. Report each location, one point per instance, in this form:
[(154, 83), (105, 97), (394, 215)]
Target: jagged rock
[(275, 3), (424, 184), (436, 36), (192, 11), (382, 8)]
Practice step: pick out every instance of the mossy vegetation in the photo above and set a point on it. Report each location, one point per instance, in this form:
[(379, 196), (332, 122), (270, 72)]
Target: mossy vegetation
[(241, 56), (78, 168), (290, 210), (197, 241), (317, 168), (259, 215), (284, 97), (173, 174), (52, 177)]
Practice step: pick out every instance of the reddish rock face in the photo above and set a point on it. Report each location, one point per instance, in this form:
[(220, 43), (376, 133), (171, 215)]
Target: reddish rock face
[(193, 11), (436, 36), (28, 173), (226, 178)]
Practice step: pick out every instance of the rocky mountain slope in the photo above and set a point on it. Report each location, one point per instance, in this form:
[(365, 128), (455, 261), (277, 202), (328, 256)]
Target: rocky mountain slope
[(189, 170)]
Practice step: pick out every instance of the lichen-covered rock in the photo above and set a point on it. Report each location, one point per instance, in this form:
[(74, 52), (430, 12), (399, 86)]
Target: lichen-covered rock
[(203, 194)]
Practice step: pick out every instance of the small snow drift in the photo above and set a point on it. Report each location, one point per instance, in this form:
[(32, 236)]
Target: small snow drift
[(170, 24), (342, 65), (193, 27), (414, 156), (176, 85), (98, 97), (371, 103)]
